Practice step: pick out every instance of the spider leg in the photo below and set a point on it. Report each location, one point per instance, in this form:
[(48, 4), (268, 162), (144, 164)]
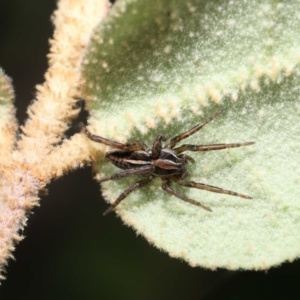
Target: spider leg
[(174, 140), (187, 147), (132, 188), (134, 146), (210, 188), (165, 186), (130, 172)]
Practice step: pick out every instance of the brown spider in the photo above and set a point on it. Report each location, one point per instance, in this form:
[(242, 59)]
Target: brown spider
[(167, 162)]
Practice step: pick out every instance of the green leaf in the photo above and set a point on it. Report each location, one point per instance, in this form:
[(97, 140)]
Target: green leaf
[(160, 67)]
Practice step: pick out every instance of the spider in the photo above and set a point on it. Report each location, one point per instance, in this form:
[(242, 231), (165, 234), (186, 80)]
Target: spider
[(167, 162)]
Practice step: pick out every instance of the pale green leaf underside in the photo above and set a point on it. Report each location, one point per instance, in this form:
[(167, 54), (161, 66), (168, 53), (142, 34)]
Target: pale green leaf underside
[(160, 67)]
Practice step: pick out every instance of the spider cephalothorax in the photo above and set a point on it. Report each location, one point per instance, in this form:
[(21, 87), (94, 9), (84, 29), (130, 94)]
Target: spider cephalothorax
[(167, 162)]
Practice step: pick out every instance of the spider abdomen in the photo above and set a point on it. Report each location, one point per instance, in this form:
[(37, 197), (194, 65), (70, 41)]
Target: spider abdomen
[(128, 159)]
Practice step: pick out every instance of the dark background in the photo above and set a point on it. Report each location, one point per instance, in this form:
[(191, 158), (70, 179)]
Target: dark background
[(70, 250)]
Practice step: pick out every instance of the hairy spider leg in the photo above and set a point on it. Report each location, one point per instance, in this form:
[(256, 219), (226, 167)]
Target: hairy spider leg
[(174, 140), (147, 169), (132, 188), (134, 146), (187, 147), (207, 187), (165, 186)]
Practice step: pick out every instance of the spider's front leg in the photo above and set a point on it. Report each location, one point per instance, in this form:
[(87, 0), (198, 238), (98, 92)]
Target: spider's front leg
[(134, 146), (132, 188), (187, 147)]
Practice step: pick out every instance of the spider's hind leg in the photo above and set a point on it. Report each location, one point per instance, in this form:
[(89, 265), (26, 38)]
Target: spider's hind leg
[(147, 169), (134, 146)]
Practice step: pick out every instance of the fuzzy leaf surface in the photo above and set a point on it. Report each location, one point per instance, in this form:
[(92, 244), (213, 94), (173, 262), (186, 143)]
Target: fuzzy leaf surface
[(160, 67)]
